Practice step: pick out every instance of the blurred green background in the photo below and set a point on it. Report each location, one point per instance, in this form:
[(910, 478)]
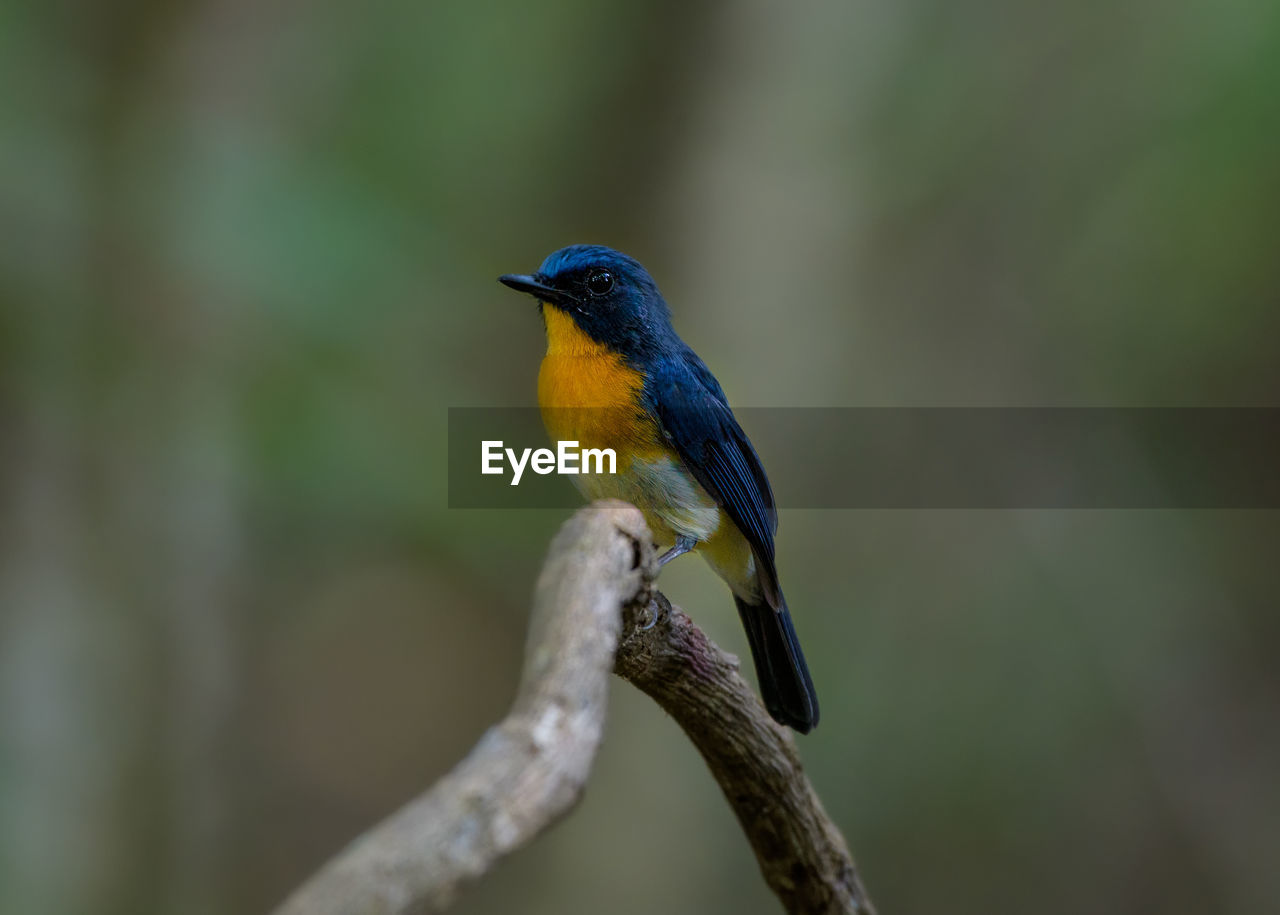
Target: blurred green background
[(248, 262)]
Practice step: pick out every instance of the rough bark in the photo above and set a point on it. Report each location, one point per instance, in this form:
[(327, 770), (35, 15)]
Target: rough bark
[(802, 855), (529, 770)]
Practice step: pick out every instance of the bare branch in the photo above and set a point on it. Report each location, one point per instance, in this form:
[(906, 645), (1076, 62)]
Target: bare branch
[(530, 769), (527, 771), (801, 852)]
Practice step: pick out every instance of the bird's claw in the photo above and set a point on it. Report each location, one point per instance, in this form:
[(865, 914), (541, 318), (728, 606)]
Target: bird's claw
[(657, 608)]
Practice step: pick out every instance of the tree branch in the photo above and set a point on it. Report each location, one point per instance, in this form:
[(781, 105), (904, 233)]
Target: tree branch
[(525, 772), (529, 770), (801, 852)]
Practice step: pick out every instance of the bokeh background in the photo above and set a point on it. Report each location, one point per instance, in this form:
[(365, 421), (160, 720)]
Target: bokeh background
[(248, 262)]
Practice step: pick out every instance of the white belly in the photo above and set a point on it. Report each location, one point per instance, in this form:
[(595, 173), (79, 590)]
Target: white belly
[(672, 501)]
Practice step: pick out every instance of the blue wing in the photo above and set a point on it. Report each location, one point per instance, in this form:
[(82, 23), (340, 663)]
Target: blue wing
[(694, 415)]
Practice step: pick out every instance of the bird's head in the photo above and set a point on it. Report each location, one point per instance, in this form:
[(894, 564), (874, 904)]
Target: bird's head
[(607, 295)]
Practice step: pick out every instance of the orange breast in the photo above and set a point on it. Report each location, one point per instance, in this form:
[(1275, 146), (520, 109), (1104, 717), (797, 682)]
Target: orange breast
[(588, 393)]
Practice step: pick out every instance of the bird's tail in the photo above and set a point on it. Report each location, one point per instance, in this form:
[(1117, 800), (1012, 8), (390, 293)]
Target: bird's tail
[(785, 684)]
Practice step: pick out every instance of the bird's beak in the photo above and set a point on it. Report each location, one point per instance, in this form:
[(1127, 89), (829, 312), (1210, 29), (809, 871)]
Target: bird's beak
[(532, 285)]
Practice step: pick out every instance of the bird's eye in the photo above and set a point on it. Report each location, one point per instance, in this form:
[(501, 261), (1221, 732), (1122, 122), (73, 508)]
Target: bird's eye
[(600, 282)]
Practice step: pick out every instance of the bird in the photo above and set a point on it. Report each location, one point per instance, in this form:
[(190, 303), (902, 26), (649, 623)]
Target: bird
[(616, 374)]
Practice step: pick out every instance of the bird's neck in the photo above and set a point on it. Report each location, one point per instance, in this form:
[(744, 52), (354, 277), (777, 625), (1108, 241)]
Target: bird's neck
[(566, 338), (581, 372)]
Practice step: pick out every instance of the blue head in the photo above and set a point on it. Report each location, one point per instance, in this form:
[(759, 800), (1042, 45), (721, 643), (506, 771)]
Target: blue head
[(607, 294)]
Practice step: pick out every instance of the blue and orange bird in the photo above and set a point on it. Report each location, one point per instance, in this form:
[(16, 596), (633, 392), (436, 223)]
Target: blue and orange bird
[(617, 376)]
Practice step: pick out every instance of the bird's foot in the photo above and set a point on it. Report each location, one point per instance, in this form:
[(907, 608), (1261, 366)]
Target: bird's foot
[(658, 607), (683, 545)]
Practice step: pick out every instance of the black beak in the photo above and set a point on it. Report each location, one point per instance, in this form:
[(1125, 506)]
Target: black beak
[(532, 285)]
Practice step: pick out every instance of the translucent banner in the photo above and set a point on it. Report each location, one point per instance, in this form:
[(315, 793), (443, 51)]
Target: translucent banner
[(868, 457)]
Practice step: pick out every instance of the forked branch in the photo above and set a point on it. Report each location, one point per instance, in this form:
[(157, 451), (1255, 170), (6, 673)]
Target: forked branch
[(529, 770)]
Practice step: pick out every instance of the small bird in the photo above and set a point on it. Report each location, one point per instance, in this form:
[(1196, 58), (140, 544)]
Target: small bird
[(616, 375)]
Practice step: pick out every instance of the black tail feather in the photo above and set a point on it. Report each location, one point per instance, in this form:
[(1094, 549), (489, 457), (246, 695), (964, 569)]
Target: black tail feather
[(785, 684)]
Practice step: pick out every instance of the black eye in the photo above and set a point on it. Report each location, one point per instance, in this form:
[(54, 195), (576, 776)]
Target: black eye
[(600, 282)]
